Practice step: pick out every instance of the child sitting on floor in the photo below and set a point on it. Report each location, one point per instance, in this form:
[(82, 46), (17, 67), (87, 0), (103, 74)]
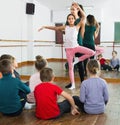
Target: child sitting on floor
[(14, 63), (34, 80), (11, 102), (93, 91), (115, 62), (46, 94), (104, 63)]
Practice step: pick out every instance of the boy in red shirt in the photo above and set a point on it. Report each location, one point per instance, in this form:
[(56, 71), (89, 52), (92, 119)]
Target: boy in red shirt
[(104, 64), (46, 95)]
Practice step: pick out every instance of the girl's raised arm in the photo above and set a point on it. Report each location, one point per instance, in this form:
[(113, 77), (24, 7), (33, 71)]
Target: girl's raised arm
[(83, 15), (52, 28), (81, 24)]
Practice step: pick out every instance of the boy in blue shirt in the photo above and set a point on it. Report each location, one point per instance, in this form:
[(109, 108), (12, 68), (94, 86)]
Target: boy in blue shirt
[(11, 103), (115, 62)]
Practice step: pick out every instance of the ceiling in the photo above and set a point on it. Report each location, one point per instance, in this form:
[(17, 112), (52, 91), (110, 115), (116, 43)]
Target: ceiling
[(65, 4)]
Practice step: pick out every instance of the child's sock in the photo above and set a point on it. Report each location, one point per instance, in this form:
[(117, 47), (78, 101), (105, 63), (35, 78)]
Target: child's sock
[(29, 105), (76, 60)]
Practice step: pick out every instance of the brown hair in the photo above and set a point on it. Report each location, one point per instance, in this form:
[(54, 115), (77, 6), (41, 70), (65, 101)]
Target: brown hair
[(7, 56), (93, 66), (68, 17), (100, 55), (5, 66), (46, 74), (114, 52), (91, 20), (40, 62)]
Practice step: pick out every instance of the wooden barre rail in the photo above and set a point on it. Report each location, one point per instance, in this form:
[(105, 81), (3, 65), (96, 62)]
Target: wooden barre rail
[(3, 40)]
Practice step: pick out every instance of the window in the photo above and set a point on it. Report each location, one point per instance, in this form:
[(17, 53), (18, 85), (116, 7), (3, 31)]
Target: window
[(117, 32)]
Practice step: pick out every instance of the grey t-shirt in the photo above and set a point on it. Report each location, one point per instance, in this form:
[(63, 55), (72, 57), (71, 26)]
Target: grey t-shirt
[(94, 94)]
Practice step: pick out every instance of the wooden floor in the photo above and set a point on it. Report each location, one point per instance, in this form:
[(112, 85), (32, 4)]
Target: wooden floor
[(110, 117)]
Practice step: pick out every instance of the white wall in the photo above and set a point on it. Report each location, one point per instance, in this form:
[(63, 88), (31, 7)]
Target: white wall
[(42, 17), (15, 24), (59, 16), (10, 20), (110, 15)]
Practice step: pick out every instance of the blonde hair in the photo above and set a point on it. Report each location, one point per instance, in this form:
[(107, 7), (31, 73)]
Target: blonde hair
[(93, 66)]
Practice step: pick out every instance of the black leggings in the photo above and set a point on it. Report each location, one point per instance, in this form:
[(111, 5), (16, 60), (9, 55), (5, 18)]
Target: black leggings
[(79, 103), (117, 67), (64, 107), (92, 57), (80, 67)]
